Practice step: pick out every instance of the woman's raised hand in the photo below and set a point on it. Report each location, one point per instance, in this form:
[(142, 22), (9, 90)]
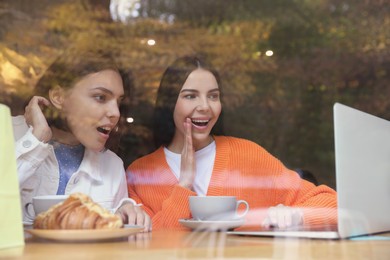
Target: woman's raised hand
[(35, 118), (187, 166)]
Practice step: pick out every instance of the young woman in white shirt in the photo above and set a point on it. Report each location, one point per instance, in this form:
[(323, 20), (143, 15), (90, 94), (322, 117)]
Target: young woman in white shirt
[(62, 139)]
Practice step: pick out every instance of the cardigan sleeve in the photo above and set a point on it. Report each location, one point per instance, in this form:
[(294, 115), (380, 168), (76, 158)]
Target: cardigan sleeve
[(170, 210), (175, 207), (319, 204), (153, 185), (264, 181)]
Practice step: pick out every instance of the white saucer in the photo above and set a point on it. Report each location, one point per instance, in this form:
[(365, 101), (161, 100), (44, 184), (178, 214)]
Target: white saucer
[(212, 225)]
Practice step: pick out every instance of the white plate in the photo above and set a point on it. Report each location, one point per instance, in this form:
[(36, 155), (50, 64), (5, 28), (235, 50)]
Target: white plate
[(84, 234), (211, 224)]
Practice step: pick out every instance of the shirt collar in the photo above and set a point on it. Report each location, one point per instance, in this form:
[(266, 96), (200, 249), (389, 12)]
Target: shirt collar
[(91, 165)]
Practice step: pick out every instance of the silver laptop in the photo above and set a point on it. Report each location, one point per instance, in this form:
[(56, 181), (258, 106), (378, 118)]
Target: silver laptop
[(362, 151)]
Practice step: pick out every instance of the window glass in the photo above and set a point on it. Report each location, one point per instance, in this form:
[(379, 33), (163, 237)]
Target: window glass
[(282, 63)]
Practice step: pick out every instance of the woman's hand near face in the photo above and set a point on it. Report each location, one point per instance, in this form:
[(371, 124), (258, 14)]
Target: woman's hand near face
[(187, 166), (283, 217), (135, 215), (35, 118)]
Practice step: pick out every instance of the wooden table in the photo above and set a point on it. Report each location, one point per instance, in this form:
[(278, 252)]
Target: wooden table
[(200, 245)]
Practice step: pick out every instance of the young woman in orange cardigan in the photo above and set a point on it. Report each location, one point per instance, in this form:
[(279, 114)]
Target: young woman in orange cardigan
[(192, 159)]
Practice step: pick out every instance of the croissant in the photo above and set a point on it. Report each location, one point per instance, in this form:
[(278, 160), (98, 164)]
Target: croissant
[(78, 211)]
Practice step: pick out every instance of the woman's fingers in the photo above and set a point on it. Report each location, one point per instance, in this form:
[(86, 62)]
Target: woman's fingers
[(147, 222), (188, 132), (135, 215), (187, 166), (34, 117), (282, 217), (35, 106)]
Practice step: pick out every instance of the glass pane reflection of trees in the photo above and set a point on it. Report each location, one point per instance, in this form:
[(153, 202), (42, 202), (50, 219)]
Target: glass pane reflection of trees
[(283, 63)]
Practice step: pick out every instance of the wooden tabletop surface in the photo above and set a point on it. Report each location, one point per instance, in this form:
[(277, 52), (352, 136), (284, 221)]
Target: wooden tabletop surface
[(170, 244)]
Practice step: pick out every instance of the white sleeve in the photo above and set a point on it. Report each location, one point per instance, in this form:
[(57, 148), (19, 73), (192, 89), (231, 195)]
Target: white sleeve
[(122, 196), (30, 153)]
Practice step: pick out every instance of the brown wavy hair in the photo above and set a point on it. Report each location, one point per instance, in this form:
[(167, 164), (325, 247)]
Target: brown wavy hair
[(69, 68), (171, 83)]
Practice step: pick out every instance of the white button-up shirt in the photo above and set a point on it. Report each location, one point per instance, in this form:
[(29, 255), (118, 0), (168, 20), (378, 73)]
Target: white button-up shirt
[(101, 175)]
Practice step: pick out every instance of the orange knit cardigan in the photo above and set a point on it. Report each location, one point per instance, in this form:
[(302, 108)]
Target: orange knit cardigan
[(243, 169)]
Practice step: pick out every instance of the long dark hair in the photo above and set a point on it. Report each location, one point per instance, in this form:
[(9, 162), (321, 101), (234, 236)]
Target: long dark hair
[(171, 83), (69, 68)]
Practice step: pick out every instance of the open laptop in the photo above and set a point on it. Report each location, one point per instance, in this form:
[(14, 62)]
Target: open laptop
[(362, 152)]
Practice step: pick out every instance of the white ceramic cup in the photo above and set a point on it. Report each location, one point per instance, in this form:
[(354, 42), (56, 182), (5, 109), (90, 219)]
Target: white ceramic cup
[(216, 207), (43, 203)]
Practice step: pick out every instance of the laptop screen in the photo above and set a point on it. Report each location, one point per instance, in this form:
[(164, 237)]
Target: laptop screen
[(362, 151)]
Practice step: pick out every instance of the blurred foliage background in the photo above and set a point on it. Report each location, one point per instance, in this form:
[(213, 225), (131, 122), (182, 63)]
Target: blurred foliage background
[(283, 63)]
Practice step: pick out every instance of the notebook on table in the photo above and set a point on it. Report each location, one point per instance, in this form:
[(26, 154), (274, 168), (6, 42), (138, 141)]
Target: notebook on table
[(362, 154)]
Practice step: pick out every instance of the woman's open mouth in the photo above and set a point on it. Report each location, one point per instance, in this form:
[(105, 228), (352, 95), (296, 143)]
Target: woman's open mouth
[(104, 130), (200, 123)]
